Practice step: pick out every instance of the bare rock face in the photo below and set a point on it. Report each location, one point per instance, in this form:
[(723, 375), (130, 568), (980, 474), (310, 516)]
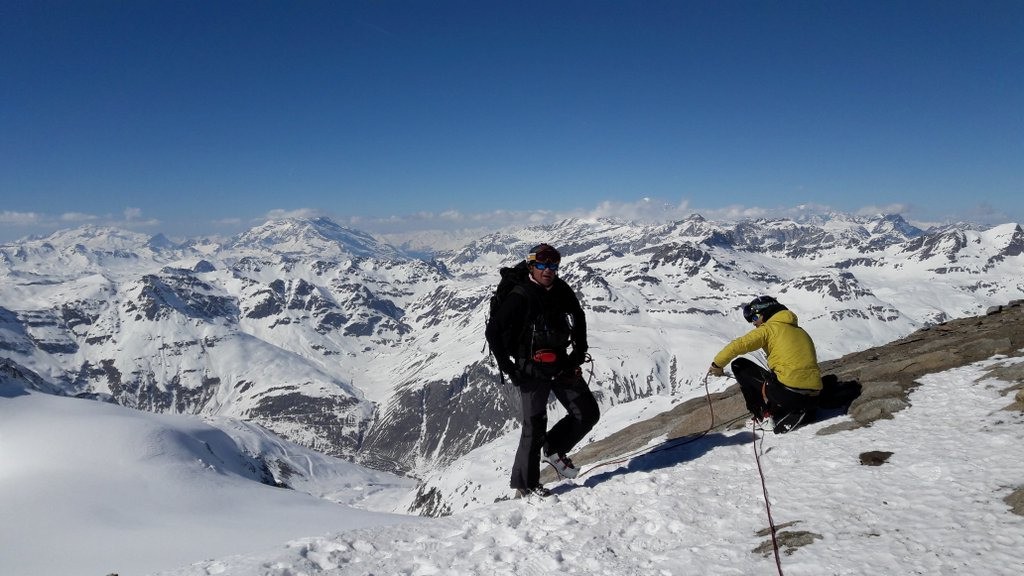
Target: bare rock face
[(689, 420), (874, 457), (886, 374), (1016, 501)]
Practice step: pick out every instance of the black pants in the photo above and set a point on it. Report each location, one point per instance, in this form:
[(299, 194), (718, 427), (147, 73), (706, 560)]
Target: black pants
[(756, 382), (582, 413)]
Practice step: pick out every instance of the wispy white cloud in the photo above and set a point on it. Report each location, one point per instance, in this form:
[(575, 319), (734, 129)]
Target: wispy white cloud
[(460, 224), (13, 218), (986, 213), (77, 217), (873, 209), (735, 212), (646, 210), (21, 224), (643, 210), (132, 218), (279, 213)]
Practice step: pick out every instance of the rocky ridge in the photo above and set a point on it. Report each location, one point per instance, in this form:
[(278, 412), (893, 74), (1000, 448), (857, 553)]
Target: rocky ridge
[(886, 373)]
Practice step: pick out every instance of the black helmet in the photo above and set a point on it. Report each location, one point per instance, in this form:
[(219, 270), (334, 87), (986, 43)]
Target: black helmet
[(544, 253), (761, 305)]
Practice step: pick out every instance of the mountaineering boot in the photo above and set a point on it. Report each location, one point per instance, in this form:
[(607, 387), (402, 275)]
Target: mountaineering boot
[(537, 490), (789, 422), (562, 465)]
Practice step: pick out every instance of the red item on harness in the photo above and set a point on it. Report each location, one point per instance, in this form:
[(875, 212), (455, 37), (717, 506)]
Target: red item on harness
[(544, 356)]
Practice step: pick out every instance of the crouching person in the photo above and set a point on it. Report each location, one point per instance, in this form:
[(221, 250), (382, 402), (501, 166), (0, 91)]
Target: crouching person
[(785, 395)]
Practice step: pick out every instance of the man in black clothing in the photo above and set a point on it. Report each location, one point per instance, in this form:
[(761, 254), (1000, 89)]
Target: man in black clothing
[(530, 335)]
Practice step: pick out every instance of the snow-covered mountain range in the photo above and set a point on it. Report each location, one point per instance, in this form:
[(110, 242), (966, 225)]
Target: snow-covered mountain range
[(343, 344)]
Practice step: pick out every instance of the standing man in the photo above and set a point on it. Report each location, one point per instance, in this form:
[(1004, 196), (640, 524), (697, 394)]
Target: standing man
[(786, 394), (530, 334)]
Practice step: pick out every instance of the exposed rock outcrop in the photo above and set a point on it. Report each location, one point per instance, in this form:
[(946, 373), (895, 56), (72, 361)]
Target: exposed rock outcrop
[(886, 373)]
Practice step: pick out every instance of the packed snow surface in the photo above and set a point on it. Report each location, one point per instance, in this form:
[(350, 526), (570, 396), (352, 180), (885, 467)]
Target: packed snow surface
[(935, 507), (91, 488), (80, 496)]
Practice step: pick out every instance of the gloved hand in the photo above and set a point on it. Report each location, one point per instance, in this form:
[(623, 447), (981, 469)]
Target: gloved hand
[(577, 357), (509, 368), (569, 374), (716, 370)]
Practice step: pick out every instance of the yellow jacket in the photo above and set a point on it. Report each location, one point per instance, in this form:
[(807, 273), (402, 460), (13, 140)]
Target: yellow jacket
[(790, 351)]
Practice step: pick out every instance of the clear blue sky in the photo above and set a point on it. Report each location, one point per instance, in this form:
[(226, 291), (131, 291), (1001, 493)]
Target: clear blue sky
[(191, 117)]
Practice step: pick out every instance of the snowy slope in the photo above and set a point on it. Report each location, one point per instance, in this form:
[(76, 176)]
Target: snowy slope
[(936, 507), (302, 328), (88, 488), (341, 343)]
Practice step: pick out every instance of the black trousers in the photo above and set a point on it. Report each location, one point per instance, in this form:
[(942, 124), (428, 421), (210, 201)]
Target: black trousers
[(582, 413), (756, 382)]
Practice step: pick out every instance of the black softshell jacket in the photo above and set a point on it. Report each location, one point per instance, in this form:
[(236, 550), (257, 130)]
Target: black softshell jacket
[(518, 328)]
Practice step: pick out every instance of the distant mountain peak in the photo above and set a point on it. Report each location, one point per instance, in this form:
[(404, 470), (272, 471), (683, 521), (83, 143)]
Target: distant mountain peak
[(895, 223), (319, 235), (335, 339), (97, 238)]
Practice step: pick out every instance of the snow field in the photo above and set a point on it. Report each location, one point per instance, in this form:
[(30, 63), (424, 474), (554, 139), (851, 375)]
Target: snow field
[(936, 507)]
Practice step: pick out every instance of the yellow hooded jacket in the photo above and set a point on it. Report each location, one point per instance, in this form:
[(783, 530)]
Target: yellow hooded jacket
[(790, 351)]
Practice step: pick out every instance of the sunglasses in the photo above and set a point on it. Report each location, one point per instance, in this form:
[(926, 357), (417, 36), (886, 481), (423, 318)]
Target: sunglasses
[(553, 266)]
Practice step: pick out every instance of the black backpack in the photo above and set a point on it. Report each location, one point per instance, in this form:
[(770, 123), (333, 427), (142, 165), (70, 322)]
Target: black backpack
[(838, 394), (510, 279)]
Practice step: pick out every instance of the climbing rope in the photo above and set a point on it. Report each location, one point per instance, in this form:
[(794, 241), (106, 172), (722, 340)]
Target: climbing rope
[(767, 504), (669, 446), (683, 441)]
